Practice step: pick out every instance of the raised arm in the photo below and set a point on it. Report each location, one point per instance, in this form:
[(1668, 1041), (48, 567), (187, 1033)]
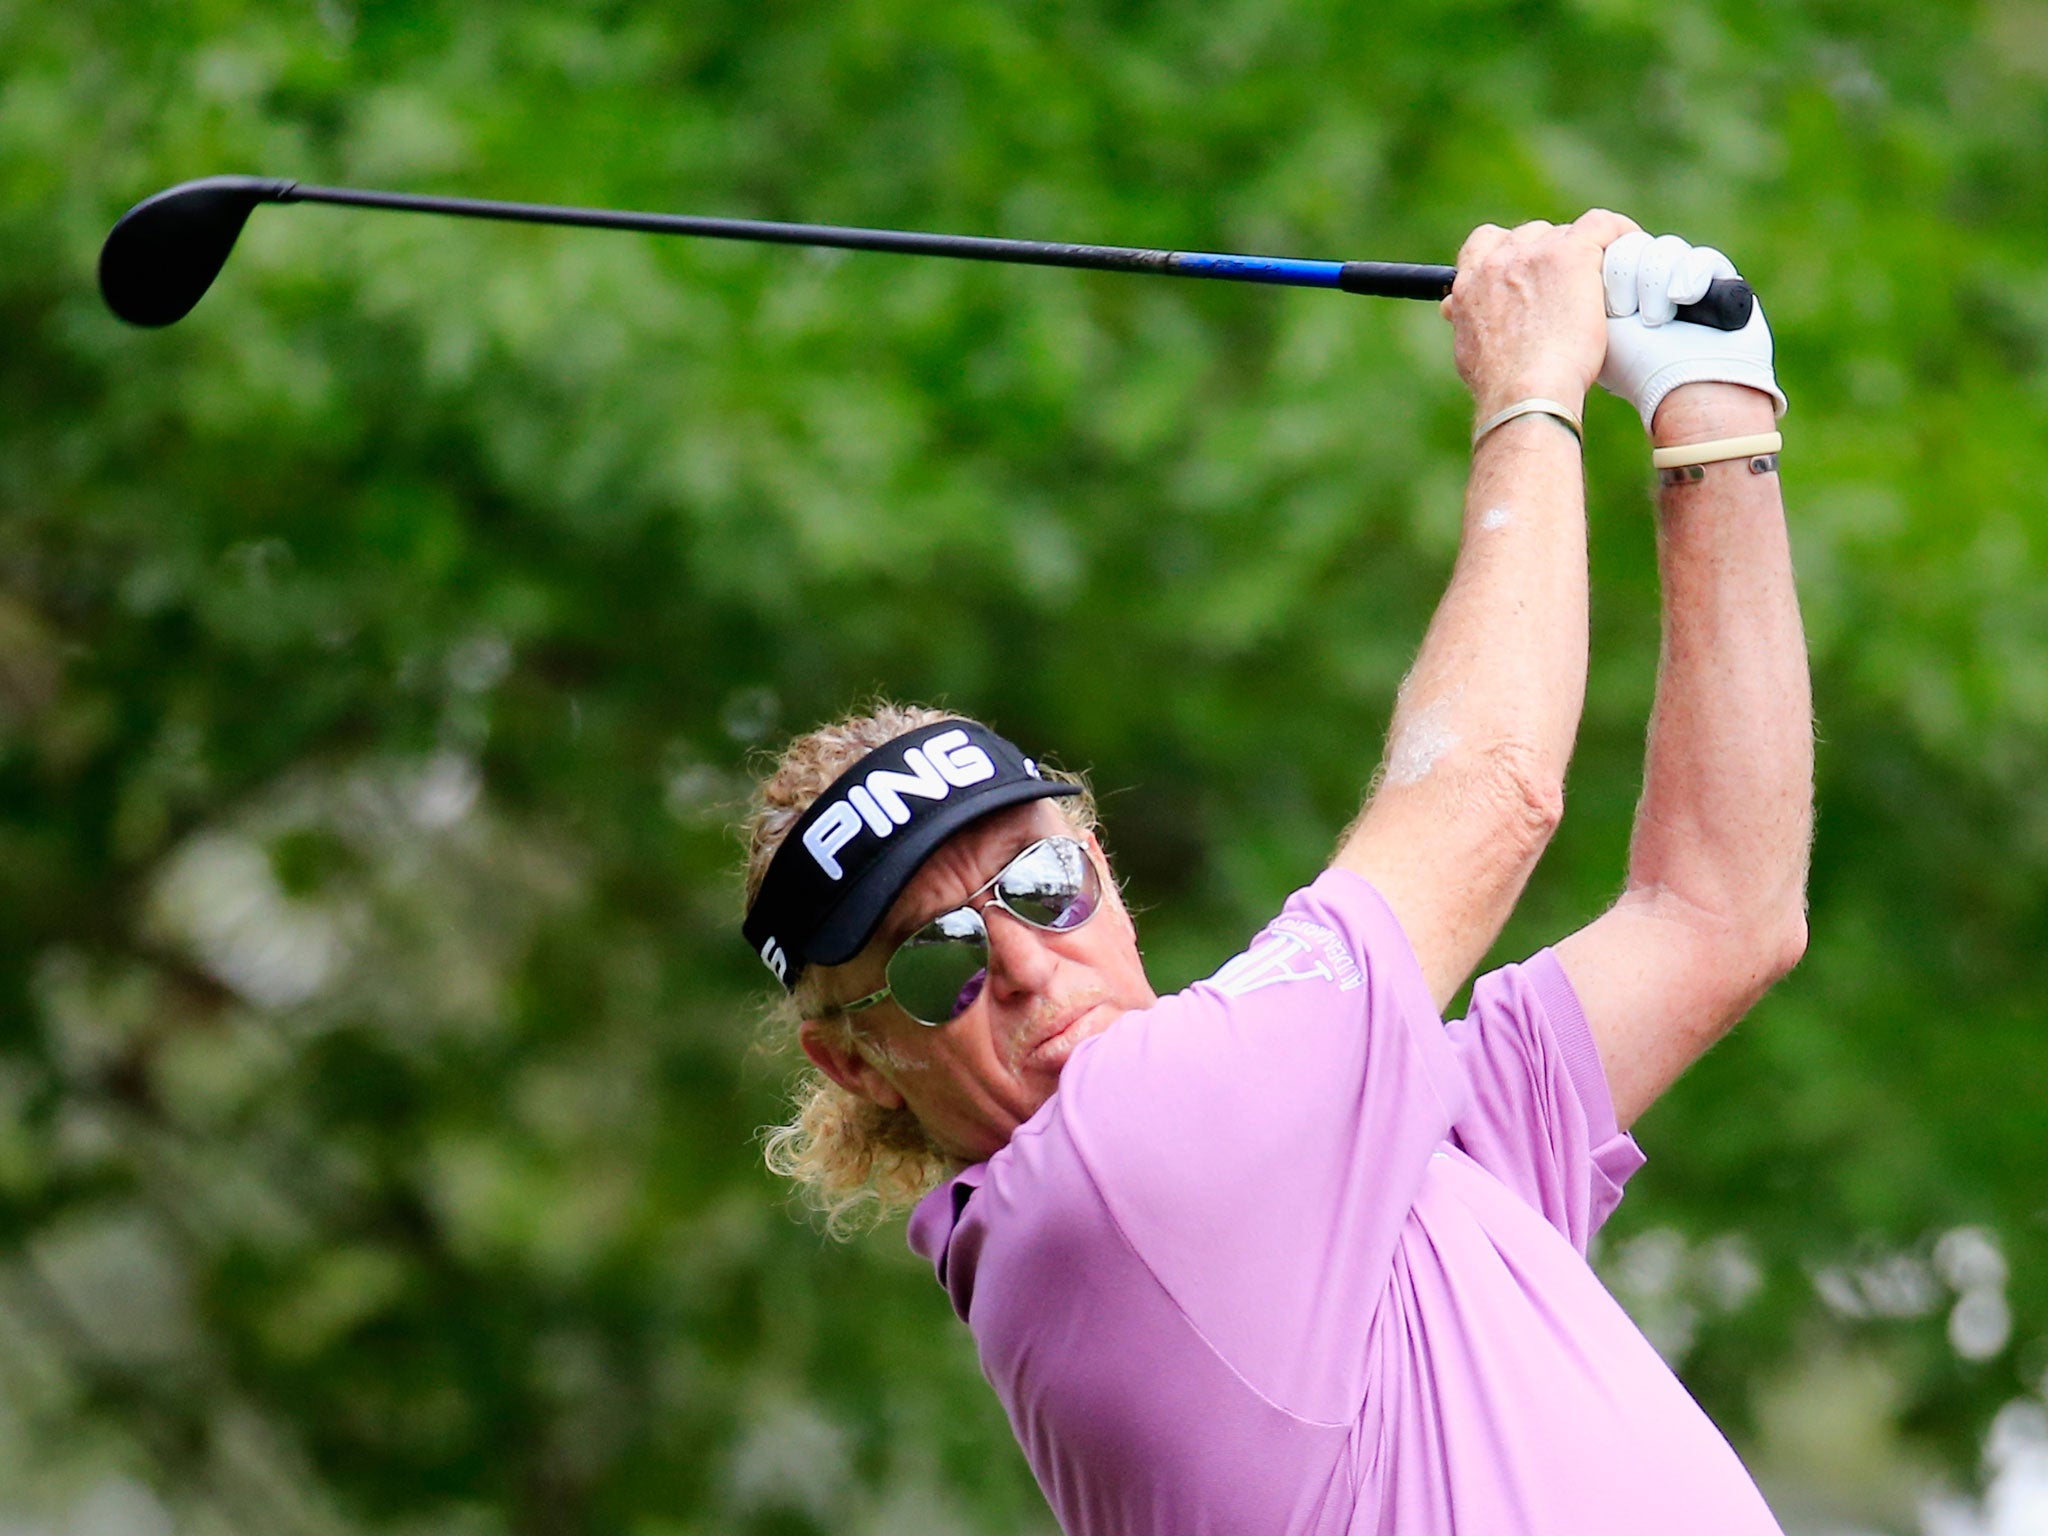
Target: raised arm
[(1472, 783), (1714, 909)]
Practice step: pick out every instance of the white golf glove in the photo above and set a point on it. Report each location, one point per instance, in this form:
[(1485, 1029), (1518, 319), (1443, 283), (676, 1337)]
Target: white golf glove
[(1649, 354)]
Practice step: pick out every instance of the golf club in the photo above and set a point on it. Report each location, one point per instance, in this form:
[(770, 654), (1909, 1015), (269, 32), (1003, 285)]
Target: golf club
[(165, 252)]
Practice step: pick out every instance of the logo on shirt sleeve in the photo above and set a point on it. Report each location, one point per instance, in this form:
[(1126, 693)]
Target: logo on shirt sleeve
[(1292, 949)]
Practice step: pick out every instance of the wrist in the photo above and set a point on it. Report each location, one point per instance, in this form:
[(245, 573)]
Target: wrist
[(1565, 391), (1520, 410), (1698, 413)]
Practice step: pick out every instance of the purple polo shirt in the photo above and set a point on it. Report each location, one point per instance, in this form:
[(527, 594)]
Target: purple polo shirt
[(1287, 1254)]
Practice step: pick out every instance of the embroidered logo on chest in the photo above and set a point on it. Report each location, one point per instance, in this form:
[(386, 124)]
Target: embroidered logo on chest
[(1292, 949)]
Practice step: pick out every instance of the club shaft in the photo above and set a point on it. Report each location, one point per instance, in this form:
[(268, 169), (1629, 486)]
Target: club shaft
[(1384, 279)]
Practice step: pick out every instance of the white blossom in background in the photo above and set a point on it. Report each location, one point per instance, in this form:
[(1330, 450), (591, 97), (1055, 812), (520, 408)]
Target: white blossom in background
[(1972, 1262), (1893, 1285), (219, 894), (694, 790), (428, 902), (792, 1456), (121, 1280), (117, 1506), (751, 713), (1728, 1272), (1980, 1325), (2016, 1503), (444, 792), (1670, 1285), (1966, 1260), (479, 664), (1970, 1257)]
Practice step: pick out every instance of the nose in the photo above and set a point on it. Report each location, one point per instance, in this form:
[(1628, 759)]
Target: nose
[(1020, 960)]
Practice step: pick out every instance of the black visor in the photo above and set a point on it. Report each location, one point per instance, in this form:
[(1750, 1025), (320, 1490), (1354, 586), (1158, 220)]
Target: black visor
[(844, 864)]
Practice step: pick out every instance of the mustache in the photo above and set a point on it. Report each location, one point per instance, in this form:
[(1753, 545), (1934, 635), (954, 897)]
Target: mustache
[(1045, 1018)]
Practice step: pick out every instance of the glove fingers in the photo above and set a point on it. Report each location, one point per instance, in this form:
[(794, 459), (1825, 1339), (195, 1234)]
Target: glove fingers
[(1661, 260), (1719, 265), (1645, 280), (1690, 277), (1700, 266), (1618, 270)]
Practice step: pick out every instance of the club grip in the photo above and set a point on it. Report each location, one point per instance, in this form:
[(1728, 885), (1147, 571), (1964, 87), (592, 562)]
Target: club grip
[(1727, 306), (1395, 279)]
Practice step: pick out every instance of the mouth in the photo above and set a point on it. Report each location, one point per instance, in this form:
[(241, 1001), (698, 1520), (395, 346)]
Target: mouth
[(1050, 1050)]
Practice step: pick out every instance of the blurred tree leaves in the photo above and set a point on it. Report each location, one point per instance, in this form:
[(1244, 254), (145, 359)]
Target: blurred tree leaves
[(382, 651)]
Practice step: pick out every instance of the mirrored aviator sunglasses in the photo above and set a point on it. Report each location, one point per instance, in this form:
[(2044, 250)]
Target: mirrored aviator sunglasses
[(936, 974)]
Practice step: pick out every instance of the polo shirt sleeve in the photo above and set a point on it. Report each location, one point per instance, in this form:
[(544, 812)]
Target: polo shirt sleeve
[(1539, 1117), (1260, 1138)]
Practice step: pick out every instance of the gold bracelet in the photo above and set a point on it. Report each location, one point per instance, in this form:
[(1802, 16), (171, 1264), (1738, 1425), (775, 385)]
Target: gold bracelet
[(1534, 406)]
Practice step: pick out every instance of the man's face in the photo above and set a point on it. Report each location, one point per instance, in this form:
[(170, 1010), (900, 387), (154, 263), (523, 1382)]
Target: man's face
[(973, 1080)]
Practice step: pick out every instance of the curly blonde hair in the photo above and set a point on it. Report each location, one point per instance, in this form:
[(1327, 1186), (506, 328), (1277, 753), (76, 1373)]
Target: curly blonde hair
[(852, 1161)]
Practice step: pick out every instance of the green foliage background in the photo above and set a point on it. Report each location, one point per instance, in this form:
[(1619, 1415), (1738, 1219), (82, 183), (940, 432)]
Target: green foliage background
[(382, 650)]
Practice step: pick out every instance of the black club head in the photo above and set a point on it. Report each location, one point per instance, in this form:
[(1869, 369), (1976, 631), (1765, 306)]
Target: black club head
[(164, 254)]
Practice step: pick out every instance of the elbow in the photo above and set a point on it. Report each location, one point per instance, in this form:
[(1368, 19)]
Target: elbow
[(1762, 956), (1728, 954), (1544, 810), (1478, 815), (1782, 945), (1508, 801), (1526, 791), (1771, 934), (1750, 957)]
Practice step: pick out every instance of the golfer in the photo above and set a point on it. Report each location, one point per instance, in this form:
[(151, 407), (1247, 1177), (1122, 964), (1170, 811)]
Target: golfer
[(1284, 1252)]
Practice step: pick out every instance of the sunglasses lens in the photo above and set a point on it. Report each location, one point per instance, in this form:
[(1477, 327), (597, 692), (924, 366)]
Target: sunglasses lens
[(940, 968), (1051, 885)]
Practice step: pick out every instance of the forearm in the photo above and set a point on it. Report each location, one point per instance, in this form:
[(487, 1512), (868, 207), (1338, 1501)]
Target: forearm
[(1727, 804), (1714, 911), (1471, 784)]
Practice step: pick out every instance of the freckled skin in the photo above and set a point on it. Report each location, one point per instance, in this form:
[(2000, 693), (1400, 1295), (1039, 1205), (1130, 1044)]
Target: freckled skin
[(974, 1080)]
